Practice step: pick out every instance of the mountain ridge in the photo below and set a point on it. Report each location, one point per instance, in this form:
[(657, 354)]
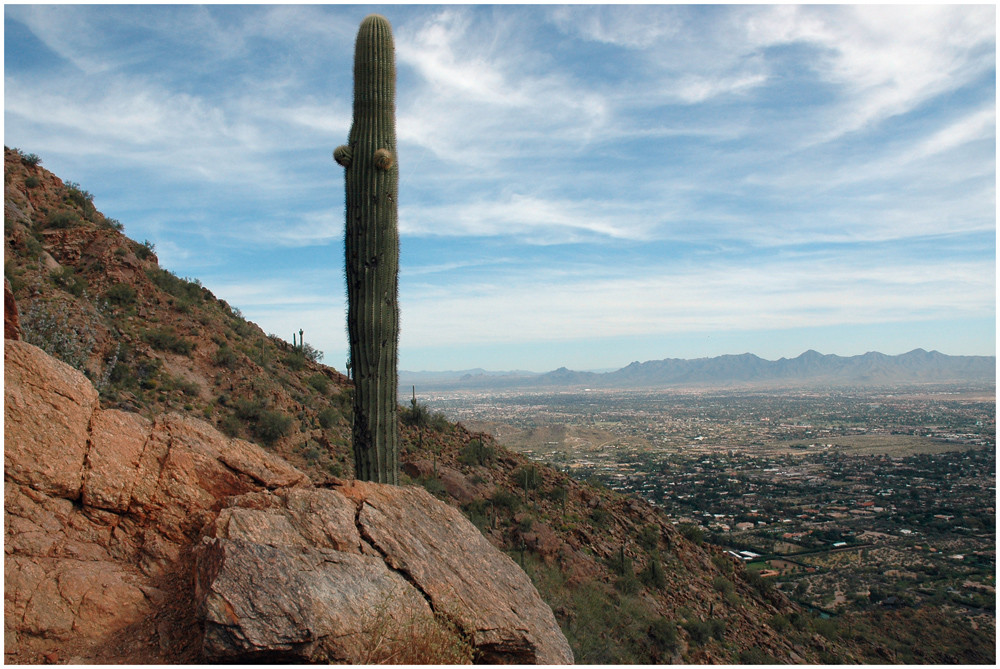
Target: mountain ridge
[(809, 368)]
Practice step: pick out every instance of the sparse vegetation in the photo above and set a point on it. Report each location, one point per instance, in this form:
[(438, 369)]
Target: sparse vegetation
[(166, 339)]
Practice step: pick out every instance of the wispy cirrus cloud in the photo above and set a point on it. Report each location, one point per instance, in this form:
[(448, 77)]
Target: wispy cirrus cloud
[(669, 167)]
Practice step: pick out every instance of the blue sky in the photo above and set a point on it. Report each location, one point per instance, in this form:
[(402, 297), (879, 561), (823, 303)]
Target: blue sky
[(580, 186)]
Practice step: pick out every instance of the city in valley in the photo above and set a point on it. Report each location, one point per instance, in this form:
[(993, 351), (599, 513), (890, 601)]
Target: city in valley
[(847, 498)]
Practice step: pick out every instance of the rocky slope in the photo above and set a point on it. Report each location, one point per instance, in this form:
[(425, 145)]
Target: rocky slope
[(167, 362), (109, 514)]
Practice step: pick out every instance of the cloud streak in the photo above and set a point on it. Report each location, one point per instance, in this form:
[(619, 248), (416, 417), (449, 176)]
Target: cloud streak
[(568, 171)]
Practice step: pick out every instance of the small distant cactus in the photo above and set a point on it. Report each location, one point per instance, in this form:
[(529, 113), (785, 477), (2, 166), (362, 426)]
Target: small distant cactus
[(372, 252)]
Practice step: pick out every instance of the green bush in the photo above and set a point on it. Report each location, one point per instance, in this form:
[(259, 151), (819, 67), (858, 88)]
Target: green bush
[(691, 532), (319, 382), (120, 294), (663, 634), (778, 622), (188, 292), (166, 339), (32, 182), (758, 583), (230, 425), (416, 415), (271, 425), (328, 417), (723, 584), (504, 500), (295, 361), (600, 517), (627, 584), (60, 219), (652, 575), (30, 159), (698, 631), (755, 656), (66, 278), (225, 357), (439, 423), (649, 537), (477, 452), (144, 250), (527, 477)]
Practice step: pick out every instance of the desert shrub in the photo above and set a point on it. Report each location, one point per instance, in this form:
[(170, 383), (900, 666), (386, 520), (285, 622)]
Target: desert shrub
[(230, 425), (114, 224), (527, 477), (663, 635), (310, 353), (649, 537), (328, 417), (477, 511), (477, 452), (166, 339), (723, 563), (48, 326), (755, 656), (691, 532), (506, 501), (67, 279), (627, 584), (652, 575), (120, 294), (319, 382), (145, 249), (600, 517), (60, 219), (189, 388), (271, 425), (758, 583), (225, 357), (700, 632), (295, 361), (248, 409), (32, 182), (722, 584), (609, 628), (416, 415), (827, 627), (187, 291), (432, 484), (30, 159), (311, 451), (439, 423), (778, 622), (81, 198)]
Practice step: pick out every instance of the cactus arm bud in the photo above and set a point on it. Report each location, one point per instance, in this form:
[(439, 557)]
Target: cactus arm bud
[(342, 155)]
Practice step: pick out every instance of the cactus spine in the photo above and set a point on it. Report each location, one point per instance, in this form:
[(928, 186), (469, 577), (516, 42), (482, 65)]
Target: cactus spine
[(372, 252)]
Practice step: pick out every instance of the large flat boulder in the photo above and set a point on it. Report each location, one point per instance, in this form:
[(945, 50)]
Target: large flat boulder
[(163, 541)]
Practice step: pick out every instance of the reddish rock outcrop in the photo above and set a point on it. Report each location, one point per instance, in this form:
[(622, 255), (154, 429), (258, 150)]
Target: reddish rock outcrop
[(131, 540)]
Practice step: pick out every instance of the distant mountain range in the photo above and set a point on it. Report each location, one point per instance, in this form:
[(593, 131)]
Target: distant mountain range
[(809, 369)]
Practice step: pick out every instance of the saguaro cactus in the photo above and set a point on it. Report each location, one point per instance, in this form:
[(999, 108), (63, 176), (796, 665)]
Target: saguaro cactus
[(372, 252)]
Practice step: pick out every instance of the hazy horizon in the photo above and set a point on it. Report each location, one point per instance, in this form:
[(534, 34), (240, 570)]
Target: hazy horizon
[(616, 368), (581, 186)]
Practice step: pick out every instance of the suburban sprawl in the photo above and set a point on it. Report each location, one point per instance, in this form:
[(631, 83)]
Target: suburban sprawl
[(846, 498)]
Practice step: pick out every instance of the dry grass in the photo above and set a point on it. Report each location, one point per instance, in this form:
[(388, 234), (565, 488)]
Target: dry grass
[(416, 638)]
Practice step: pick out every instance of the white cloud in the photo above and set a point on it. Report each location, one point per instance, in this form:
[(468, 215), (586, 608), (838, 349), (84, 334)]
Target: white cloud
[(803, 293)]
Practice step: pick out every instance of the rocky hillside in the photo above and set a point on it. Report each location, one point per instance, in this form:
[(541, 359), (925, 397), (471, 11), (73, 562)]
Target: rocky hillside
[(625, 584)]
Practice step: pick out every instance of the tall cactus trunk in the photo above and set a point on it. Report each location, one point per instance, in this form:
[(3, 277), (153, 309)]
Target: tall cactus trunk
[(372, 252)]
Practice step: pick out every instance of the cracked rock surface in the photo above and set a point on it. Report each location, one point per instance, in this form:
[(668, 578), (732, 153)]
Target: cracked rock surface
[(164, 541)]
